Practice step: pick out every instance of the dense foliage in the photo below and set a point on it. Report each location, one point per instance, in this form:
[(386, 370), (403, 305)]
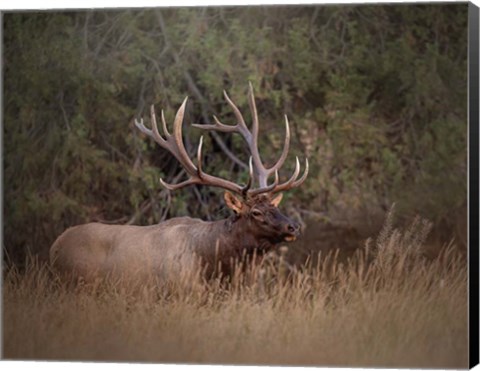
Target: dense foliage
[(376, 96)]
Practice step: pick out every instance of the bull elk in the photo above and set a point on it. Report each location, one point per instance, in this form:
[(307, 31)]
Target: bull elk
[(178, 244)]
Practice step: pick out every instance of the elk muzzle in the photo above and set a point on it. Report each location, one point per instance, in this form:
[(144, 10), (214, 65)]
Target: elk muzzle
[(292, 231)]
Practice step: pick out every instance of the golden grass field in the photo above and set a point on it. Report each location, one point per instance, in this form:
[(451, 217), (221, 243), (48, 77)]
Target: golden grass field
[(389, 307)]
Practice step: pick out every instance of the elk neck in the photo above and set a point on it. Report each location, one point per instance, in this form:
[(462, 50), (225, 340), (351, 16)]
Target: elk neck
[(230, 240)]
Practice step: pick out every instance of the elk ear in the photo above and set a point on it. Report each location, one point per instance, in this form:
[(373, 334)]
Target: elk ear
[(276, 201), (233, 202)]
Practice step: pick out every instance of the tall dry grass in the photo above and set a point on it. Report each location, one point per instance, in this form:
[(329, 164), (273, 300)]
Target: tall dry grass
[(388, 307)]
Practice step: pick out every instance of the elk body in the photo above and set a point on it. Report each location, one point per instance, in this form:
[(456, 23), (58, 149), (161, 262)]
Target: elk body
[(181, 245)]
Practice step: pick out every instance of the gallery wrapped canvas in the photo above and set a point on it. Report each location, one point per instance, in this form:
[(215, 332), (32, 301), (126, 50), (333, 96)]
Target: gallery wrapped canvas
[(138, 228)]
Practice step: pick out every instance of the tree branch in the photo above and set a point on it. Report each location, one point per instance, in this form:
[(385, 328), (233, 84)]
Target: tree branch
[(196, 92)]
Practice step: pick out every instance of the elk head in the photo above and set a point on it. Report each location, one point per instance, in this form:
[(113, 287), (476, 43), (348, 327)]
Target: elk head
[(262, 218), (256, 207)]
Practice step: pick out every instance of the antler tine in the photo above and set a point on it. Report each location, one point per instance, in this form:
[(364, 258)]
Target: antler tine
[(241, 126), (164, 124), (293, 182), (156, 135), (262, 172), (141, 127), (174, 187), (199, 158), (286, 147), (253, 109), (250, 177), (218, 126), (289, 182), (151, 133), (180, 152), (300, 181)]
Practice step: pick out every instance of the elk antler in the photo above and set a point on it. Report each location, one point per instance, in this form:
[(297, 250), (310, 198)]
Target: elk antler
[(262, 173), (174, 144)]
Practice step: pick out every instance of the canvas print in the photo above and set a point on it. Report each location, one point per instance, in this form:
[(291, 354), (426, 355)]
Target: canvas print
[(269, 185)]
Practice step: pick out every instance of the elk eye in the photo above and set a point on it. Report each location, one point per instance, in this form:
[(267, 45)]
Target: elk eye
[(256, 213)]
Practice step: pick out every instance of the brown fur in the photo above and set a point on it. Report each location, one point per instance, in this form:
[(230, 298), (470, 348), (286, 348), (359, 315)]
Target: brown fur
[(173, 247)]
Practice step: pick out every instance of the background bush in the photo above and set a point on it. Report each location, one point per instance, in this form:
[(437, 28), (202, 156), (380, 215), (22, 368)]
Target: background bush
[(376, 96)]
